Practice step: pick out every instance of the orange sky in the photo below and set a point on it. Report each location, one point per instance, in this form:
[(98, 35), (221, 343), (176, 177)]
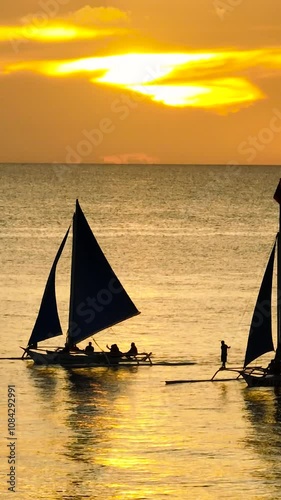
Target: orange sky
[(182, 81)]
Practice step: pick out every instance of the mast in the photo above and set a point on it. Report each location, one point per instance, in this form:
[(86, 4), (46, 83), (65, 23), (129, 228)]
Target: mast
[(279, 283), (72, 282), (277, 197)]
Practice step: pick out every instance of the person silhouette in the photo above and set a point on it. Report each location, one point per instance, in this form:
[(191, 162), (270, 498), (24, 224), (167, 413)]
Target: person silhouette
[(133, 351), (224, 349), (115, 351), (89, 348)]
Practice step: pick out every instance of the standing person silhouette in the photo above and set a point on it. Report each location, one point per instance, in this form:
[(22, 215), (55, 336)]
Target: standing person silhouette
[(224, 349)]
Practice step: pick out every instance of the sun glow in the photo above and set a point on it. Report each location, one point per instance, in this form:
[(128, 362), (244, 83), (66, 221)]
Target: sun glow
[(210, 80), (55, 33), (208, 94)]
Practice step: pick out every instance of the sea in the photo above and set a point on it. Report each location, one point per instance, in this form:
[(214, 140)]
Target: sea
[(190, 244)]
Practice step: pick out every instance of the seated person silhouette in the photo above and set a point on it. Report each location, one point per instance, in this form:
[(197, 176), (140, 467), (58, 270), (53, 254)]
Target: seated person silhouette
[(133, 351), (115, 351), (75, 348), (89, 348), (66, 348)]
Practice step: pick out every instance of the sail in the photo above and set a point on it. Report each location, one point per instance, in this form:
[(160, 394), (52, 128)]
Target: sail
[(47, 324), (97, 298), (260, 335)]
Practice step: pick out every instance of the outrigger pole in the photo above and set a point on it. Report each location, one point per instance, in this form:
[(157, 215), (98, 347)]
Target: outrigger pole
[(9, 359), (236, 370)]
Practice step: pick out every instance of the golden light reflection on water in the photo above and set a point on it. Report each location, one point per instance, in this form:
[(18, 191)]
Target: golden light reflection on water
[(263, 411), (190, 441), (108, 434)]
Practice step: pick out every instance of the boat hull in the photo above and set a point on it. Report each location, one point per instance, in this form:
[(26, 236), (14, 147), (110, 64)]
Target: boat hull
[(266, 380), (82, 360)]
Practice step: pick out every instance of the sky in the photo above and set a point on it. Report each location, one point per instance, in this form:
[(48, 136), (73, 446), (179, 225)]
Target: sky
[(140, 81)]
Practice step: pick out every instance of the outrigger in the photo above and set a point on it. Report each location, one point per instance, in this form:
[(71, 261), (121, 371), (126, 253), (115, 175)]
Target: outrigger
[(260, 335), (98, 301), (213, 379)]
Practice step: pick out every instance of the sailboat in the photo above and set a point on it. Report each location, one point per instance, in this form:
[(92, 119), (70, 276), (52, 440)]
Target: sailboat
[(97, 301), (260, 339)]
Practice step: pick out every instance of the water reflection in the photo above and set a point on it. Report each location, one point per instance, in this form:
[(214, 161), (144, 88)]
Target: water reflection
[(44, 379), (91, 415), (87, 406), (85, 398), (263, 410), (46, 382)]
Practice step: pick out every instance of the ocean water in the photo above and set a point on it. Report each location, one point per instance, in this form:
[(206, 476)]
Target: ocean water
[(190, 244)]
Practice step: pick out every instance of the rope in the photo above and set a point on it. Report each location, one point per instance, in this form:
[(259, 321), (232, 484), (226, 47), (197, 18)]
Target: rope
[(100, 348)]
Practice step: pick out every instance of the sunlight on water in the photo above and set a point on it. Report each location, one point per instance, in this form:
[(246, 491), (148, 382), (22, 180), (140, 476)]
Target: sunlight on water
[(190, 245)]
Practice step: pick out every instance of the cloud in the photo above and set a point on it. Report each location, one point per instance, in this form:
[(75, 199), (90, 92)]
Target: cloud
[(54, 32), (214, 80), (85, 23), (98, 15), (131, 159)]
